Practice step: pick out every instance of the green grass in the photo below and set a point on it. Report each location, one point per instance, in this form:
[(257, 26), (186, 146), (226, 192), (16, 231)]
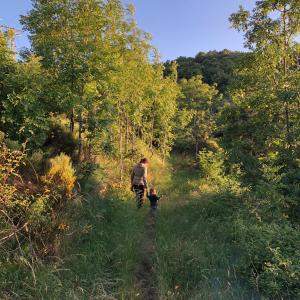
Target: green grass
[(101, 250), (199, 251), (195, 252)]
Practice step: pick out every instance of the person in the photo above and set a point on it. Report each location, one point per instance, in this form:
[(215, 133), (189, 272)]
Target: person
[(153, 198), (139, 181)]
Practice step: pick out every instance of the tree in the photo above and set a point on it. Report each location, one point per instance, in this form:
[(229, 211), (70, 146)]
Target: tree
[(26, 106), (99, 61), (196, 108), (69, 36), (267, 90), (7, 65)]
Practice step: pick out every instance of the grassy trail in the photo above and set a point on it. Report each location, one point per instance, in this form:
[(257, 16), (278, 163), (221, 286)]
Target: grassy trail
[(145, 276), (115, 251)]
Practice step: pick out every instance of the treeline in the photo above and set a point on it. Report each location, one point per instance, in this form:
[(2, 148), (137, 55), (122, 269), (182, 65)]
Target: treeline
[(215, 67), (205, 82)]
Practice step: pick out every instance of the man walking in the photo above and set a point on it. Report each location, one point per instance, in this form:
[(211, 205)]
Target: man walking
[(139, 181)]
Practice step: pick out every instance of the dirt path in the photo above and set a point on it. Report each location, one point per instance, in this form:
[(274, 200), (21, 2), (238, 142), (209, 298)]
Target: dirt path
[(145, 275)]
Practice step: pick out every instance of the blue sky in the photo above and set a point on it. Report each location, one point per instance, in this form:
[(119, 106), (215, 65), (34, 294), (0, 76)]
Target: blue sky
[(178, 27)]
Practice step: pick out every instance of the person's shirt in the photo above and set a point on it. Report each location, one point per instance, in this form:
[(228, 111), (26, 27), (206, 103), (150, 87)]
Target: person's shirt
[(139, 175), (153, 200)]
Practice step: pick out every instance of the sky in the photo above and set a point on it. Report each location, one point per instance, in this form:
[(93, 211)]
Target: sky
[(178, 27)]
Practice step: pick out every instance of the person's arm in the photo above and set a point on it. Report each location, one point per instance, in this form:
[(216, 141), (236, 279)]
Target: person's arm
[(132, 176), (145, 178)]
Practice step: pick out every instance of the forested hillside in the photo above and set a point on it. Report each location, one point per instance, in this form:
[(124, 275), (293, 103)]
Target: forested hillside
[(89, 99), (215, 67)]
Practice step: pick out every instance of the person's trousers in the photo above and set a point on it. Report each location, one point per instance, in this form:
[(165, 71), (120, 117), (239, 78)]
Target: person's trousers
[(140, 194)]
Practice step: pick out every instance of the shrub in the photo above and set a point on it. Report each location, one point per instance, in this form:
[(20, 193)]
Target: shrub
[(270, 259), (211, 164), (12, 144), (9, 162), (37, 156), (22, 216), (62, 174), (30, 211)]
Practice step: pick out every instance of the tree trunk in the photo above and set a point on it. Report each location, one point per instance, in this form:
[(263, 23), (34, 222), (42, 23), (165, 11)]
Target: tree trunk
[(133, 141), (196, 148), (152, 136), (196, 138), (121, 158), (164, 149), (80, 143), (288, 126), (285, 70), (72, 122), (126, 134)]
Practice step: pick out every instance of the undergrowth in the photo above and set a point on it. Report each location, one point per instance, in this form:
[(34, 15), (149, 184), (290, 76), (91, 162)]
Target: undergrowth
[(196, 256), (220, 240), (95, 244), (98, 254)]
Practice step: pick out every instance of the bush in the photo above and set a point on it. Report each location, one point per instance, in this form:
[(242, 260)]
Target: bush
[(214, 173), (37, 161), (9, 162), (62, 174), (211, 164), (271, 256), (259, 222), (22, 215), (30, 211)]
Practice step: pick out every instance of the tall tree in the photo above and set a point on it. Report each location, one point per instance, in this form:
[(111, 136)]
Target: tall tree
[(272, 72), (197, 109), (69, 37)]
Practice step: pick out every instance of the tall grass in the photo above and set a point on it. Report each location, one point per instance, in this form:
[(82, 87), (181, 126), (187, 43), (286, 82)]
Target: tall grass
[(98, 251), (196, 254)]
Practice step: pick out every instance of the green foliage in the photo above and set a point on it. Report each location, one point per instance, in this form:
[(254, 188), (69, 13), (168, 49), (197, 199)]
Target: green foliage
[(266, 241), (270, 253), (215, 67), (91, 64), (26, 107), (96, 242), (264, 118), (101, 75), (196, 118), (196, 256), (9, 162), (218, 67), (29, 209), (211, 164), (257, 244)]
